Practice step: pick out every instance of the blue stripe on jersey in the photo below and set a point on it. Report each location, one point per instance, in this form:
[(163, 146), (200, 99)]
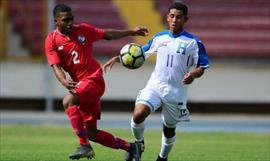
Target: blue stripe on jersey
[(203, 58), (146, 47)]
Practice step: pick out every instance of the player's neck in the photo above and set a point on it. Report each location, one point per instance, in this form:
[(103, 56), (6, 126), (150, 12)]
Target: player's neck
[(64, 34), (177, 32)]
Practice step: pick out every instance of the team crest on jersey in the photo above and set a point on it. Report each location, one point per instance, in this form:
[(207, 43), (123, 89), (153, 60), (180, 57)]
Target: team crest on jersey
[(181, 48), (81, 39)]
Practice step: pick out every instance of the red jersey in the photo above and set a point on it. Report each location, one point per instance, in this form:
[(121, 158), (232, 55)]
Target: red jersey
[(75, 51)]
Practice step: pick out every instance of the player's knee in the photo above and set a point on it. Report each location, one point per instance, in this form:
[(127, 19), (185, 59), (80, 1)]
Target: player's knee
[(67, 102), (168, 132), (140, 113), (70, 100)]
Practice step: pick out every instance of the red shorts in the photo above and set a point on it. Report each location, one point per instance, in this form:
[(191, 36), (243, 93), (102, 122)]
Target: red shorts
[(90, 91)]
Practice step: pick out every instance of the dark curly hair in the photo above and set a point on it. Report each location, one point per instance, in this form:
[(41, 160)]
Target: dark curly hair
[(61, 8), (179, 6)]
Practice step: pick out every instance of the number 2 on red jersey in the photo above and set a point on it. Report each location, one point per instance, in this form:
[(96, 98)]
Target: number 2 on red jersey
[(75, 55)]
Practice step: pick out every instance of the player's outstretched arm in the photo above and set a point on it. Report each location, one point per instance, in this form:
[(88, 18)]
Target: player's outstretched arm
[(111, 34), (109, 64)]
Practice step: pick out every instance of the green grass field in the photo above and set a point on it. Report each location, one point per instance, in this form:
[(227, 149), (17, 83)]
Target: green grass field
[(54, 143)]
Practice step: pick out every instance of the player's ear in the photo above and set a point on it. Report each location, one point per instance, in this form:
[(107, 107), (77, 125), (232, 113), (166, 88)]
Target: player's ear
[(167, 17)]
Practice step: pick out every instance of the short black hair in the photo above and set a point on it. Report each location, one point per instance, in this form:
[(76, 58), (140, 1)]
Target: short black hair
[(61, 8), (179, 6)]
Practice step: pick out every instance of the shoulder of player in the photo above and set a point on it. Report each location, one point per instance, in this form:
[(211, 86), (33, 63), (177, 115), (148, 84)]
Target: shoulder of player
[(162, 33), (191, 36), (51, 35), (160, 36), (83, 25)]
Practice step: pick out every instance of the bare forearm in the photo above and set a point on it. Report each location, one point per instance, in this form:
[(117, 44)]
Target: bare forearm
[(198, 72), (116, 34), (61, 76), (110, 63), (190, 76), (59, 73)]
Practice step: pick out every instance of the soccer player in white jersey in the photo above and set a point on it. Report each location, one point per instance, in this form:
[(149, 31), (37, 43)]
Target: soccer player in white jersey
[(177, 51)]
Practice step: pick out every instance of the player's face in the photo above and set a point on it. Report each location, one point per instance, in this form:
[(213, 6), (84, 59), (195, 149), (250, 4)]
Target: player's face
[(176, 20), (64, 22)]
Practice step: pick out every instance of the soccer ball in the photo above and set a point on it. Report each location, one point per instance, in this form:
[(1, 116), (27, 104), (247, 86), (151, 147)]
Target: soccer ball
[(132, 56)]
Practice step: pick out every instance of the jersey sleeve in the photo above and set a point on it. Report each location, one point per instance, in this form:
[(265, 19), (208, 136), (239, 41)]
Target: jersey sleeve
[(198, 53), (149, 48), (51, 54), (94, 33), (203, 57)]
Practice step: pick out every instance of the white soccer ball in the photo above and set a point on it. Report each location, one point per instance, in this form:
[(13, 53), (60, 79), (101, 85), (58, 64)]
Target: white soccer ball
[(132, 56)]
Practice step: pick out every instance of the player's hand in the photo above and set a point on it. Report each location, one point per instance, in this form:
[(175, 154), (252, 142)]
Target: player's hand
[(69, 84), (109, 64), (141, 31), (188, 78)]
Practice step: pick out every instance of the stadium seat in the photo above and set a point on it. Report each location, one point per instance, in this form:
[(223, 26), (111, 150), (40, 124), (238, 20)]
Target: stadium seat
[(110, 48), (229, 28), (31, 27)]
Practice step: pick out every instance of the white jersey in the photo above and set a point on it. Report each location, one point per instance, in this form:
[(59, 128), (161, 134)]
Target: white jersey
[(175, 55)]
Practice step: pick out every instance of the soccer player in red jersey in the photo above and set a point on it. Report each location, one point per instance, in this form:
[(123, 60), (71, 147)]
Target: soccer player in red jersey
[(69, 48)]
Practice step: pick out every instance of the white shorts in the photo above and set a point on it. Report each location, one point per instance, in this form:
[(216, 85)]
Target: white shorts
[(171, 114)]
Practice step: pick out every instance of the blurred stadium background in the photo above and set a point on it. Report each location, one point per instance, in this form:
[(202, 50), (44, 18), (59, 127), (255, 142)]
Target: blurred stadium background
[(236, 34)]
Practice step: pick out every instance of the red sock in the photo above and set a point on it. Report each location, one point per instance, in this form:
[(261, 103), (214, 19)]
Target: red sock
[(111, 141), (77, 124)]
